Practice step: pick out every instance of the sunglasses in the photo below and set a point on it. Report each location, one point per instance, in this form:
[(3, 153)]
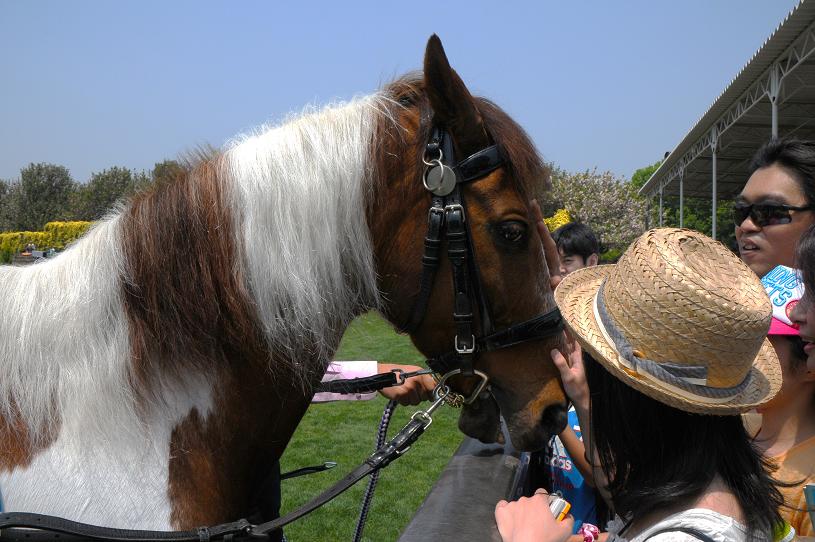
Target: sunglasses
[(766, 214)]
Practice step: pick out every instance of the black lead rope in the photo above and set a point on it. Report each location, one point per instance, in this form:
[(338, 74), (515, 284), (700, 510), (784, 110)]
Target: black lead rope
[(382, 434)]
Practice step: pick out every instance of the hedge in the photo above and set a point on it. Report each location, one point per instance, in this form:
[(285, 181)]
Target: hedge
[(56, 235), (64, 233)]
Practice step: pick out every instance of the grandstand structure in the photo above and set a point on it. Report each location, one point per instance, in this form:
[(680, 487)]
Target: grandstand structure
[(773, 95)]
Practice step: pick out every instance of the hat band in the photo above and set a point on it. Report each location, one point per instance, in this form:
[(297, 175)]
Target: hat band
[(688, 381)]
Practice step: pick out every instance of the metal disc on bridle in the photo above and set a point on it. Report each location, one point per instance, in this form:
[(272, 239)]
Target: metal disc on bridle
[(439, 179)]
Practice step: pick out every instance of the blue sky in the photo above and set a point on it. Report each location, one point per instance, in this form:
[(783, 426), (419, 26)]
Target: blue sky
[(612, 85)]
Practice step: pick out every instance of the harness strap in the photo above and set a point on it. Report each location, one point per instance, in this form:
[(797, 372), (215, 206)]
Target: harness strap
[(479, 164), (457, 252), (381, 458), (539, 327), (365, 384), (430, 263), (26, 526)]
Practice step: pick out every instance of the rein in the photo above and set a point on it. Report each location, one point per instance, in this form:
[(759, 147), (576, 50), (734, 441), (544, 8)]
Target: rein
[(446, 222)]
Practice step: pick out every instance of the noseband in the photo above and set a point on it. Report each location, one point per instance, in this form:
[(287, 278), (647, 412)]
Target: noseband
[(446, 220)]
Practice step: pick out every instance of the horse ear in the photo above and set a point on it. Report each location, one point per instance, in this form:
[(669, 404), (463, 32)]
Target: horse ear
[(453, 105)]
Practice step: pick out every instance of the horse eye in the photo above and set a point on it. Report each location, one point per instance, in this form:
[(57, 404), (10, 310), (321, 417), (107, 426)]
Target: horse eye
[(513, 231)]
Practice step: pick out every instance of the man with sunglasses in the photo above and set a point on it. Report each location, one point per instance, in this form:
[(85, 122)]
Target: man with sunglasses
[(776, 205)]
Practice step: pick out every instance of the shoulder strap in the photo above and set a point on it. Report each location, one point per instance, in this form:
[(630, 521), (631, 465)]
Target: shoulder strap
[(687, 530)]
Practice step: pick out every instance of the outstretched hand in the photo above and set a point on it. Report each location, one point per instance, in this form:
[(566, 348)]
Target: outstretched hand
[(573, 373), (529, 519), (415, 389)]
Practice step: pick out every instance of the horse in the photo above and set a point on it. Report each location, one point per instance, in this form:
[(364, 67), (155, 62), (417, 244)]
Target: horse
[(151, 373)]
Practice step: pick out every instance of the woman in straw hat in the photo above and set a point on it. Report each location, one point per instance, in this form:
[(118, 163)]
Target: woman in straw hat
[(675, 347)]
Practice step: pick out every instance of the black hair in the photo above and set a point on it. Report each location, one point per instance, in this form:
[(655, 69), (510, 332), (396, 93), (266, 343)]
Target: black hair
[(578, 239), (656, 456), (796, 156), (805, 259)]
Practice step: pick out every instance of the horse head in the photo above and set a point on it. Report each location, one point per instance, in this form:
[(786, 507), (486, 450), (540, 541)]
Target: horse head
[(507, 271)]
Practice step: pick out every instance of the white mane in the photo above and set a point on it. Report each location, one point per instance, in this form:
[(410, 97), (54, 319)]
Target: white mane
[(302, 188)]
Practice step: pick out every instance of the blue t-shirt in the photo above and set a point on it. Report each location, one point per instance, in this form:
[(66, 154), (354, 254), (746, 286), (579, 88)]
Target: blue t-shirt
[(568, 480)]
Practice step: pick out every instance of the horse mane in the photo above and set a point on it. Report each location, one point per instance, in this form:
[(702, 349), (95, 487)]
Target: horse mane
[(259, 254)]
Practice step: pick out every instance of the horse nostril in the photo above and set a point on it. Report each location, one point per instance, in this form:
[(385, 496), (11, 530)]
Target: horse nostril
[(554, 418)]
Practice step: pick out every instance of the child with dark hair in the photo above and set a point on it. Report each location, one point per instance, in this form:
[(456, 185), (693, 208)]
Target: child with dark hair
[(577, 246)]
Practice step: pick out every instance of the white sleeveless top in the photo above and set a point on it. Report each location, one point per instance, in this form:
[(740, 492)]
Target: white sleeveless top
[(717, 526)]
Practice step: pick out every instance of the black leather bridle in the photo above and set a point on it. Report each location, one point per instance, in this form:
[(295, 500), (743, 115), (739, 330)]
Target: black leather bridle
[(446, 220)]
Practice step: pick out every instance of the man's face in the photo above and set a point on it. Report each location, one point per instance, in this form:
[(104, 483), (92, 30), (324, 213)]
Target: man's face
[(573, 262)]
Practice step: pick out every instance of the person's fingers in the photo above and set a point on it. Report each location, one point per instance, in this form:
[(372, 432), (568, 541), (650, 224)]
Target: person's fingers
[(541, 491), (560, 362), (501, 504), (576, 357), (567, 524), (428, 385)]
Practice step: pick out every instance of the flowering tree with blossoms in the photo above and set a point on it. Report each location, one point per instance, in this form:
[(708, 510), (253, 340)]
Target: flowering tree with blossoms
[(608, 204)]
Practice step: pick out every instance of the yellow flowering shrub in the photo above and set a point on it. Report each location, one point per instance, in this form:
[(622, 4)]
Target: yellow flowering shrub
[(13, 242), (56, 235), (64, 233), (560, 218)]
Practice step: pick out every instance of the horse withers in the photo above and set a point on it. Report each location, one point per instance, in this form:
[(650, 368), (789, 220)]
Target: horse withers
[(185, 332)]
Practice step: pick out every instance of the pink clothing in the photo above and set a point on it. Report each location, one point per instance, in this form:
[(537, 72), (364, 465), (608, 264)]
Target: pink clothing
[(338, 370)]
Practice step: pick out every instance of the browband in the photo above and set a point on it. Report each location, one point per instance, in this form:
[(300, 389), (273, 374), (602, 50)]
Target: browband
[(479, 164)]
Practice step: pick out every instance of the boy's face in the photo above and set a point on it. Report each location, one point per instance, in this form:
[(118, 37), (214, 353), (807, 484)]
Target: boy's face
[(573, 262)]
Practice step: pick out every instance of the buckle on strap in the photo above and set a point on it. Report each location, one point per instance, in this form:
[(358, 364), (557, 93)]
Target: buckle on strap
[(465, 349), (453, 207)]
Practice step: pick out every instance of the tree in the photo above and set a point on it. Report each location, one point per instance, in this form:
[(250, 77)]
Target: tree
[(641, 176), (45, 192), (104, 190), (609, 205), (167, 171), (9, 194), (696, 212)]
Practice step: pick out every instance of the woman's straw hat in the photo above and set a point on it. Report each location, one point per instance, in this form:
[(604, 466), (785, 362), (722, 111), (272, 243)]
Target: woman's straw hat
[(681, 319)]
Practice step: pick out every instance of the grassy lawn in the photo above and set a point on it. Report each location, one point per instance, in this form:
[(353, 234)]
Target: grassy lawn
[(345, 432)]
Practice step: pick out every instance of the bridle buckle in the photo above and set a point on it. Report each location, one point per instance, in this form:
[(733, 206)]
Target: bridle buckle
[(449, 208), (465, 349)]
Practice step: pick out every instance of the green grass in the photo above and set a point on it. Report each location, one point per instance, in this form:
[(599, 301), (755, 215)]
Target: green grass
[(345, 432)]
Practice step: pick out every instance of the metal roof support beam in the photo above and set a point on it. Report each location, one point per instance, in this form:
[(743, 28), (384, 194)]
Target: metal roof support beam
[(714, 140), (660, 206), (682, 199), (793, 56), (773, 93)]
